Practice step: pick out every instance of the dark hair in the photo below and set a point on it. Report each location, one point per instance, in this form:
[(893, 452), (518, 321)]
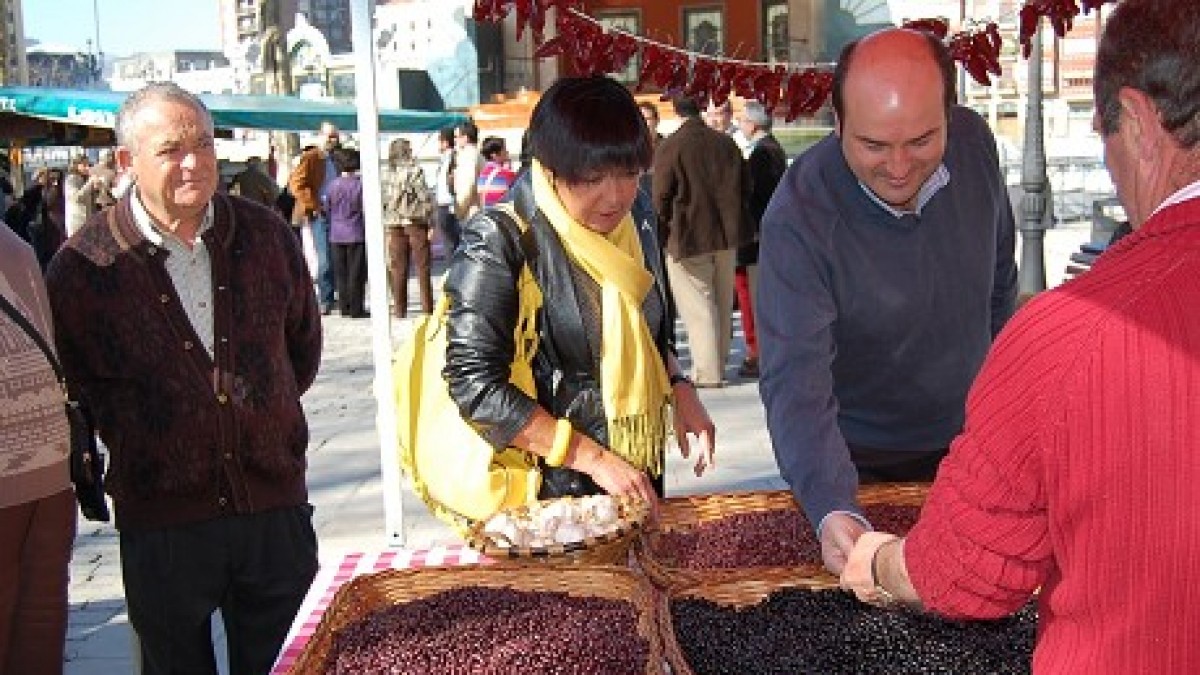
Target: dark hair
[(447, 134), (345, 159), (937, 49), (585, 124), (1152, 46), (686, 106), (469, 130), (492, 146)]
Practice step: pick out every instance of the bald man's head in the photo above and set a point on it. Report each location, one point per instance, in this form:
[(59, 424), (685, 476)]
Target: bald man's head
[(891, 57)]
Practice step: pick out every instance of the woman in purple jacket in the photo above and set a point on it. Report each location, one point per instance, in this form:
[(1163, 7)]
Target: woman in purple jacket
[(348, 234)]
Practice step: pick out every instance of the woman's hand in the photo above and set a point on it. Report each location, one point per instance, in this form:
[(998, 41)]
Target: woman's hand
[(612, 473), (691, 418)]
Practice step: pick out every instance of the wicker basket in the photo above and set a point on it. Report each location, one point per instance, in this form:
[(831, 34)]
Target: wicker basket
[(744, 592), (609, 549), (680, 513), (371, 592)]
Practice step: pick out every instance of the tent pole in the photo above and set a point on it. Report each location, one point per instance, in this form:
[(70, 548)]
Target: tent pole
[(381, 339)]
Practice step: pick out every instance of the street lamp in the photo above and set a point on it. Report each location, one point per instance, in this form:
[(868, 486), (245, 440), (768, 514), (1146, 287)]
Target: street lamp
[(1032, 270)]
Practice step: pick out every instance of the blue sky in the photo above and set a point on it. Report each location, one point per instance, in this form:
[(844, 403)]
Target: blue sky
[(126, 26)]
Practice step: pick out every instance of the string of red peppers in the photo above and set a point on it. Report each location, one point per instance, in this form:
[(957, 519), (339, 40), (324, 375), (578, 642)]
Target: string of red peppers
[(788, 91)]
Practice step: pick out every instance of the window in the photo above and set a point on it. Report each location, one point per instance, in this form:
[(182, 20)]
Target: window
[(704, 29), (776, 45)]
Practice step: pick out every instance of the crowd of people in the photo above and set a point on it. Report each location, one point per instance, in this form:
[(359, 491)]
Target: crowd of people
[(876, 280)]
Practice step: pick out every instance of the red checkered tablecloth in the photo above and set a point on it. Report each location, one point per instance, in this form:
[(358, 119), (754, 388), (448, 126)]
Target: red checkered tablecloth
[(340, 570)]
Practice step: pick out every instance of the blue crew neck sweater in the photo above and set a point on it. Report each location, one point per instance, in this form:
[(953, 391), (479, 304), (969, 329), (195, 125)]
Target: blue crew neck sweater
[(872, 327)]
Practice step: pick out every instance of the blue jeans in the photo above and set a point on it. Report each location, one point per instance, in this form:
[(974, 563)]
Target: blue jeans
[(320, 232)]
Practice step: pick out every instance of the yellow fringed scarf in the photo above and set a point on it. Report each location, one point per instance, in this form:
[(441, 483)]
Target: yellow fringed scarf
[(633, 379)]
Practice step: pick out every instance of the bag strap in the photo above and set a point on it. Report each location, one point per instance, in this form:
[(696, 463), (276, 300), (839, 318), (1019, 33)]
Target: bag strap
[(19, 318)]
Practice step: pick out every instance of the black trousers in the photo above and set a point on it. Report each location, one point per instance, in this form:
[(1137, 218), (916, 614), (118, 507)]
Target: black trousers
[(448, 223), (256, 569), (350, 278), (895, 466)]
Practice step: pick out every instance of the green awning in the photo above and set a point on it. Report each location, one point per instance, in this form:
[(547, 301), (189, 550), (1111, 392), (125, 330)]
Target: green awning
[(97, 109)]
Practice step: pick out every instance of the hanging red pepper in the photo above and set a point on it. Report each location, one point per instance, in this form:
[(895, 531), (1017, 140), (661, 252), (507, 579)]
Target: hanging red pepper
[(624, 46), (769, 87), (653, 59), (727, 73), (700, 84), (938, 27)]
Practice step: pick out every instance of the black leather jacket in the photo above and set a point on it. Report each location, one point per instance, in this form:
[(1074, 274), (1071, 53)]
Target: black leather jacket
[(482, 284)]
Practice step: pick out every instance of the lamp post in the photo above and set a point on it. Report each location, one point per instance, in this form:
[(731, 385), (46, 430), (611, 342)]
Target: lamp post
[(1031, 276)]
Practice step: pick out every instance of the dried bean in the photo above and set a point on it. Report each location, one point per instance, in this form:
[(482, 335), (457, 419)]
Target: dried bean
[(493, 631), (774, 538), (797, 631)]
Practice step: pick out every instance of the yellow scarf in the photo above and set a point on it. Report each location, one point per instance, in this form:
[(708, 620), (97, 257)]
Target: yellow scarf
[(633, 378)]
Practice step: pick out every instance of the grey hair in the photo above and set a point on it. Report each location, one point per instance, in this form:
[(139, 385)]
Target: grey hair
[(399, 152), (156, 92), (756, 114)]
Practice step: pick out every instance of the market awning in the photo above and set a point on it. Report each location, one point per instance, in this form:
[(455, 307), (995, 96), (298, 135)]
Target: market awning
[(77, 110)]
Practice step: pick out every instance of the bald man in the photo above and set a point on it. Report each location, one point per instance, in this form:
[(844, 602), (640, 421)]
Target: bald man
[(886, 269)]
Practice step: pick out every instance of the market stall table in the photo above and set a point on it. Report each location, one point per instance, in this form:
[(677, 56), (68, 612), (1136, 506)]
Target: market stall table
[(338, 571)]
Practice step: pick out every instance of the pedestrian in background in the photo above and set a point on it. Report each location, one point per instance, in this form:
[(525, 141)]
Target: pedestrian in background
[(80, 193), (308, 183), (465, 177), (348, 233), (188, 321), (37, 504), (700, 202), (253, 183), (447, 220), (496, 175), (407, 211), (766, 164)]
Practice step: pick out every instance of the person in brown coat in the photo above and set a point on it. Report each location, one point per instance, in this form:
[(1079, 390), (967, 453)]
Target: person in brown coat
[(700, 200)]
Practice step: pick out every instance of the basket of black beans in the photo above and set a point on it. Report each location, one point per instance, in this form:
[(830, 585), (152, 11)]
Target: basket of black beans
[(773, 624), (720, 537), (489, 620)]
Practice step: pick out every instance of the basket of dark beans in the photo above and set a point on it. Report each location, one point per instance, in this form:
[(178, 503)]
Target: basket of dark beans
[(774, 624), (717, 537), (594, 530), (494, 619)]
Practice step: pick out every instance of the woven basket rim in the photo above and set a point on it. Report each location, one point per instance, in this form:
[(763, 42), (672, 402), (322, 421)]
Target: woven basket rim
[(676, 513), (370, 592), (630, 523)]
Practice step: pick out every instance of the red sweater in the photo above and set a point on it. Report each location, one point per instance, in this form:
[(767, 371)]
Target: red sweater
[(1078, 470)]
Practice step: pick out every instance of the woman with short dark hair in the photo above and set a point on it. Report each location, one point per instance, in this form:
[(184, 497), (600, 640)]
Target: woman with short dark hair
[(605, 369)]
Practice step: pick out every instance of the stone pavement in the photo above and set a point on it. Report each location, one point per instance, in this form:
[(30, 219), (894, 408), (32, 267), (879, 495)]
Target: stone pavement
[(347, 490)]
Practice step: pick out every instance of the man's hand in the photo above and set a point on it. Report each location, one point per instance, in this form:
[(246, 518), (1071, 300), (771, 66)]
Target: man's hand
[(858, 575), (838, 534)]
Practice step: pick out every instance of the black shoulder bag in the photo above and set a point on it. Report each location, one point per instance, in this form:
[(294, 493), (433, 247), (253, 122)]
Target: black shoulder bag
[(87, 464)]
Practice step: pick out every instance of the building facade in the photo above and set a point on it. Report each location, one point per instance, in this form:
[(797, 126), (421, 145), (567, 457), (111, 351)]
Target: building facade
[(199, 71), (14, 69)]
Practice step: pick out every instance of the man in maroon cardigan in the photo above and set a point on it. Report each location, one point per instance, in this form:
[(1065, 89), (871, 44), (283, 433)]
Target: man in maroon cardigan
[(1076, 475), (188, 321)]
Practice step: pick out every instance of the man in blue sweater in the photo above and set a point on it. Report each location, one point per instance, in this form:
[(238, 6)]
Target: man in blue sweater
[(886, 270)]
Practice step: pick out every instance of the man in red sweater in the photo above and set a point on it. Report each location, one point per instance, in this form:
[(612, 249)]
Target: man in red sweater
[(1078, 466)]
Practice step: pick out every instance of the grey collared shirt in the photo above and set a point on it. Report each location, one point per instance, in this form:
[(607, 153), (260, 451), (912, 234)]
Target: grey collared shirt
[(939, 179), (190, 268)]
